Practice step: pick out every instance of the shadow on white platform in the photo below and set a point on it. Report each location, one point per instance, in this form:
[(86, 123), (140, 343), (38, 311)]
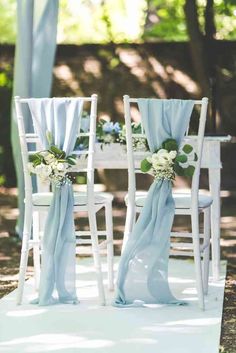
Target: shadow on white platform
[(87, 327)]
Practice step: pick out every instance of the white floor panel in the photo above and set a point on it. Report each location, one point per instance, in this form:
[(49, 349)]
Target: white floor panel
[(88, 327)]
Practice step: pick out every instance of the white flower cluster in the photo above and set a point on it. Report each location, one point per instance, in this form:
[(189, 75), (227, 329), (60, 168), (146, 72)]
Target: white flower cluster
[(162, 164), (50, 168), (139, 144)]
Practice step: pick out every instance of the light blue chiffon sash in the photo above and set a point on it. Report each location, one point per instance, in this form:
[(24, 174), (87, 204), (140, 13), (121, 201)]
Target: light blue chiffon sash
[(61, 119), (143, 269)]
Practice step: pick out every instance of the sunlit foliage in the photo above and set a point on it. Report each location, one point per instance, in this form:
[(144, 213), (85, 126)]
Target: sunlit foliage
[(7, 21), (97, 21), (103, 21), (166, 20)]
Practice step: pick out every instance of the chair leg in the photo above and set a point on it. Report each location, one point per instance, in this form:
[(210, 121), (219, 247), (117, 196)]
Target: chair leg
[(129, 223), (206, 251), (197, 259), (24, 254), (110, 249), (36, 249), (96, 254)]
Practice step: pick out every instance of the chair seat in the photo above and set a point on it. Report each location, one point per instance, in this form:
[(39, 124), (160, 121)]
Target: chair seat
[(80, 198), (182, 201)]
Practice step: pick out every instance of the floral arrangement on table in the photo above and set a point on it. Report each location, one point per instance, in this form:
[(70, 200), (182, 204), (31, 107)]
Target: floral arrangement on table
[(139, 143), (165, 163), (51, 165), (108, 132), (168, 161)]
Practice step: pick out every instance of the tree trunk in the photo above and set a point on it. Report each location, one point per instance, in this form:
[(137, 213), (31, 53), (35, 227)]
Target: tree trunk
[(196, 42), (210, 28), (210, 32)]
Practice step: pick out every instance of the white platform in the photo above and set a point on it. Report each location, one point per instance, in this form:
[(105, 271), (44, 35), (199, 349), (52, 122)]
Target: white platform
[(87, 327)]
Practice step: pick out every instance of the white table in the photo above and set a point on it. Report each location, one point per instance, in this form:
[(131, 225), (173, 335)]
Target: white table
[(114, 157)]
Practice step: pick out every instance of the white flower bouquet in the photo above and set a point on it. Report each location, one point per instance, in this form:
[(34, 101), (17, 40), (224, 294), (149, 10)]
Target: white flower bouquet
[(51, 165), (168, 161)]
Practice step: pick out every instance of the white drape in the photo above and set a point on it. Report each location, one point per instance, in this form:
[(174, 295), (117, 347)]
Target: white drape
[(34, 59)]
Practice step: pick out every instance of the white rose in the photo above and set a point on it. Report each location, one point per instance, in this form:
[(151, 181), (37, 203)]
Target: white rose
[(46, 170), (154, 157), (163, 160), (172, 154), (31, 167), (108, 138), (162, 153), (61, 167), (38, 169), (158, 166), (49, 158)]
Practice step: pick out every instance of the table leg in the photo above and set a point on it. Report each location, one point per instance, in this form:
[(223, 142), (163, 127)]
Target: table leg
[(214, 181)]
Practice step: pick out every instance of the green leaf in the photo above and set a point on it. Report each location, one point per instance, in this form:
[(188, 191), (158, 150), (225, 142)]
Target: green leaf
[(34, 157), (145, 166), (102, 121), (37, 162), (170, 145), (195, 157), (189, 171), (178, 169), (187, 149), (136, 128), (49, 137), (71, 160), (56, 151), (181, 158)]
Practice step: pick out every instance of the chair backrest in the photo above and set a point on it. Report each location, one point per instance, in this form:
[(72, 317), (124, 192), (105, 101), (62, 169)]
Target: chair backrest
[(135, 157), (30, 143)]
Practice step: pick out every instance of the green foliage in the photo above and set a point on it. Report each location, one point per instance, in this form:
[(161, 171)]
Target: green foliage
[(169, 19), (145, 166), (118, 21), (187, 148), (178, 169), (7, 21), (164, 164), (58, 153), (136, 128), (189, 171), (106, 21), (170, 145), (181, 158)]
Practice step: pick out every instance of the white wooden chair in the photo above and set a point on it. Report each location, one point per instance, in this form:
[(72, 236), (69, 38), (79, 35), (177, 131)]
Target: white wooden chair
[(191, 204), (37, 203)]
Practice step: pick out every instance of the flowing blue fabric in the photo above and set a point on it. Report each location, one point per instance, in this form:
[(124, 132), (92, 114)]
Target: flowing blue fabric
[(61, 119), (143, 269)]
